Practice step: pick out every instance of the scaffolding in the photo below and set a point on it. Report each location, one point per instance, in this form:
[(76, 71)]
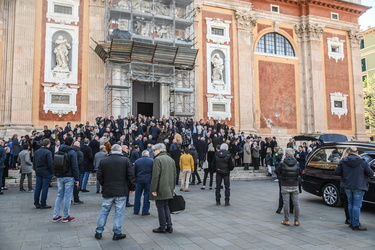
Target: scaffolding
[(149, 42)]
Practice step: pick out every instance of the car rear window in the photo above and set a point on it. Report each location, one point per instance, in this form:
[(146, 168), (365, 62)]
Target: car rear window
[(328, 158)]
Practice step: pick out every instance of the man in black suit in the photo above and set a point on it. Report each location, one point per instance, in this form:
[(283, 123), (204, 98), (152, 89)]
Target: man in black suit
[(88, 166), (94, 145)]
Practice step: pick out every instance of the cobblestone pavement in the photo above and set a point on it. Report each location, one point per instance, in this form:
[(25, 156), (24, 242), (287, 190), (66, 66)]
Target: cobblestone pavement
[(249, 223)]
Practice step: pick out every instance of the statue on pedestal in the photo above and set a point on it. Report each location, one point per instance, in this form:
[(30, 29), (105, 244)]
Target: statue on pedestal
[(61, 51), (217, 71)]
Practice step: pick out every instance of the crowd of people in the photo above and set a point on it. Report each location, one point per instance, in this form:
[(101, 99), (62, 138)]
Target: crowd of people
[(159, 154)]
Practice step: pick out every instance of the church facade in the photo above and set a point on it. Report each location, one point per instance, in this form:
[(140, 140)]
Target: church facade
[(272, 67)]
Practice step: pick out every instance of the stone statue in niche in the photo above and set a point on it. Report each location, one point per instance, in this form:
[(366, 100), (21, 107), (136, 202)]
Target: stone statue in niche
[(142, 28), (123, 4), (61, 51), (217, 71)]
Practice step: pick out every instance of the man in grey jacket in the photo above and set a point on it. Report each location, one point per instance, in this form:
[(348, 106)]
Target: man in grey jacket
[(26, 166), (98, 157), (354, 172)]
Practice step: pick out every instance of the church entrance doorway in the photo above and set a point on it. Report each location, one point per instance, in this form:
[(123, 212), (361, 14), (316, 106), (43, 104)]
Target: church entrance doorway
[(145, 108)]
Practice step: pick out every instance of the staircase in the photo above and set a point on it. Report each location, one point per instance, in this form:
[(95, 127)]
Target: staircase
[(237, 174)]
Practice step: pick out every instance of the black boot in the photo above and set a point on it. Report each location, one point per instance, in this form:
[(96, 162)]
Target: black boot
[(227, 202)]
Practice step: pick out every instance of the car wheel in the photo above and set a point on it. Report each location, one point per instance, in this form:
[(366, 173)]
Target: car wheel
[(331, 195)]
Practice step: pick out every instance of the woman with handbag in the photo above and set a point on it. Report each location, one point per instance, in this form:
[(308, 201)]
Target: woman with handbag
[(207, 165)]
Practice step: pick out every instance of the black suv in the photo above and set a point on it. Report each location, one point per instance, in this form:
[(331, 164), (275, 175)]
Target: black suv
[(319, 174)]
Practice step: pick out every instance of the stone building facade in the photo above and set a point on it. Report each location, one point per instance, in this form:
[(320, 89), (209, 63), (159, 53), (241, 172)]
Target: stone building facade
[(274, 67)]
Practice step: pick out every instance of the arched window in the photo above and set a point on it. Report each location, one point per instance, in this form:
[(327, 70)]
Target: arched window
[(274, 43)]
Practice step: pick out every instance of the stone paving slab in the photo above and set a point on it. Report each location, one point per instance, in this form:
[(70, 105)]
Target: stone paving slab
[(249, 223)]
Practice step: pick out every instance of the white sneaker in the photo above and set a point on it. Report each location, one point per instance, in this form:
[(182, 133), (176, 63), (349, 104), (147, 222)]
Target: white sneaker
[(276, 180)]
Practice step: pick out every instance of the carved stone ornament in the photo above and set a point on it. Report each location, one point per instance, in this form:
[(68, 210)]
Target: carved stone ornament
[(101, 2), (355, 37), (338, 104), (309, 31), (219, 107), (63, 18), (217, 23), (60, 99), (335, 48), (198, 8), (245, 19)]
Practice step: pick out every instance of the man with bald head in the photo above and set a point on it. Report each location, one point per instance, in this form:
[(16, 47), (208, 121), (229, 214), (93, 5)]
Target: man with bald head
[(354, 172)]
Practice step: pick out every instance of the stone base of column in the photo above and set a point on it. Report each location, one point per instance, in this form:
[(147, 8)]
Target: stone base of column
[(7, 130)]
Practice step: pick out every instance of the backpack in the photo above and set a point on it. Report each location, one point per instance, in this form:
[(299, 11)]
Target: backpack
[(61, 162)]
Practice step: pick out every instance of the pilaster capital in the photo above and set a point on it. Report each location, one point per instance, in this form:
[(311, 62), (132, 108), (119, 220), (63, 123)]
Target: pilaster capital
[(245, 20), (309, 31), (355, 37), (198, 8), (97, 2)]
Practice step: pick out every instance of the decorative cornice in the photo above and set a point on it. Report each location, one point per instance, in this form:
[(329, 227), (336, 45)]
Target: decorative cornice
[(332, 4), (309, 31), (245, 20), (355, 37)]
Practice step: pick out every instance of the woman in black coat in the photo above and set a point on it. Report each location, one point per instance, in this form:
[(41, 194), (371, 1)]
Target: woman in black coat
[(210, 169)]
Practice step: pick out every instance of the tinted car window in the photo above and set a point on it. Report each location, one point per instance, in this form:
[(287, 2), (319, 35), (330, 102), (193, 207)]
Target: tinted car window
[(326, 158)]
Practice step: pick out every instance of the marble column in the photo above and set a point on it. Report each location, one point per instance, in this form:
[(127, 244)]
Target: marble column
[(96, 68), (355, 38), (245, 24), (17, 66), (311, 78)]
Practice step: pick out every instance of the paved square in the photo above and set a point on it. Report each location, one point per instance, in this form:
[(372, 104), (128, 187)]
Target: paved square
[(249, 223)]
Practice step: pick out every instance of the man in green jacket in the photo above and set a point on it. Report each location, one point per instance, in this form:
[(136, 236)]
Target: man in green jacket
[(162, 186)]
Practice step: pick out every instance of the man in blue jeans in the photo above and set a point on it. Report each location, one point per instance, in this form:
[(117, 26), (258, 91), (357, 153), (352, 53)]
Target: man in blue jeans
[(143, 174), (353, 171), (43, 166), (66, 183), (116, 176)]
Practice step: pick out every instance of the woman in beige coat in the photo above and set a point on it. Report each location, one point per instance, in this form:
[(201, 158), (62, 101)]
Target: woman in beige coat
[(247, 154)]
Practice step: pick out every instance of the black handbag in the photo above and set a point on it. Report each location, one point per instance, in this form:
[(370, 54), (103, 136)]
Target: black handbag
[(176, 204)]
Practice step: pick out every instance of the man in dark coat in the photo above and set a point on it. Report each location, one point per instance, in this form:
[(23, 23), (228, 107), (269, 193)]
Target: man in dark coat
[(176, 154), (94, 145), (289, 171), (223, 164), (88, 166), (43, 166), (194, 153), (354, 172), (76, 148), (162, 186), (116, 176), (15, 149), (143, 174), (201, 147), (3, 156)]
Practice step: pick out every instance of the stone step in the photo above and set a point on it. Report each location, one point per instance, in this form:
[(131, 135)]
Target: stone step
[(237, 174)]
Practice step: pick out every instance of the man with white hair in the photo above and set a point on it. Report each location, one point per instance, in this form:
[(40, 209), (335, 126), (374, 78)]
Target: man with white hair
[(223, 164), (116, 177)]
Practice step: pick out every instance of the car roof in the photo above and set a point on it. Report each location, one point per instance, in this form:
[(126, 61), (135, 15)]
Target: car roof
[(349, 144), (324, 138)]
